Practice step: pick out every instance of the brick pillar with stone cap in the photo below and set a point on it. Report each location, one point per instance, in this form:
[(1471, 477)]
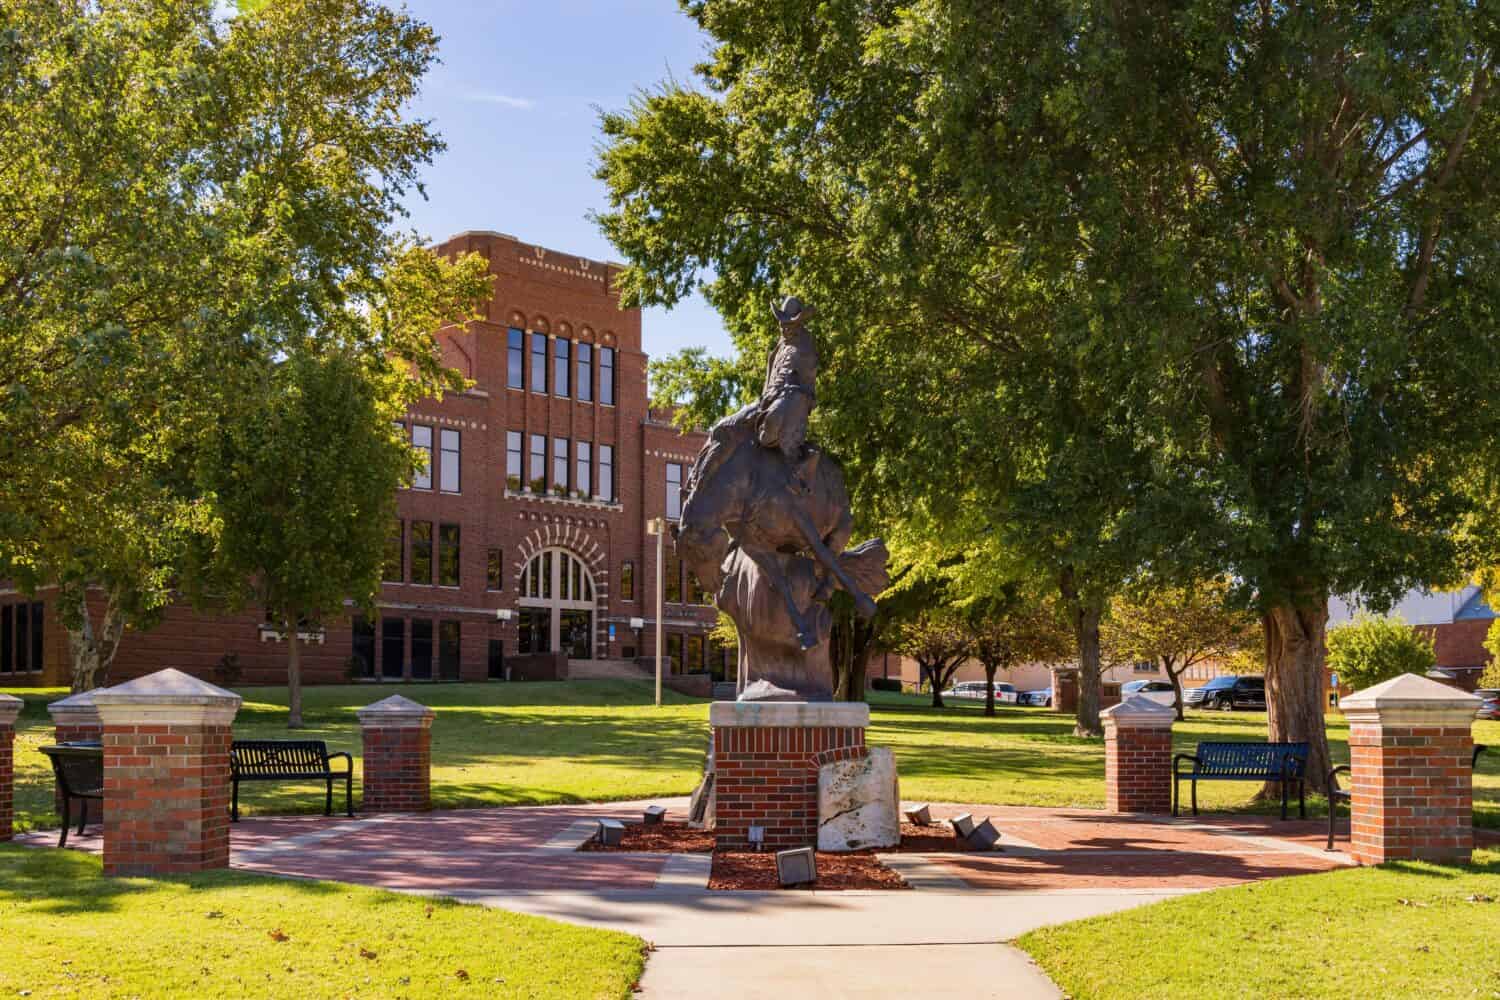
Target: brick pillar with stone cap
[(166, 774), (75, 719), (397, 756), (1411, 790), (10, 710), (1138, 756)]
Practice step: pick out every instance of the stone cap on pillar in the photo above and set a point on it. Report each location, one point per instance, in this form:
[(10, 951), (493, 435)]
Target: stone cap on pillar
[(168, 697), (395, 712), (1138, 712), (75, 708), (1411, 700), (790, 714), (10, 709)]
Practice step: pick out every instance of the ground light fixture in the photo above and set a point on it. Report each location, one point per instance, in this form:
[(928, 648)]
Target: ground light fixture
[(757, 836), (611, 832), (962, 826), (797, 866), (984, 837), (920, 815), (654, 815)]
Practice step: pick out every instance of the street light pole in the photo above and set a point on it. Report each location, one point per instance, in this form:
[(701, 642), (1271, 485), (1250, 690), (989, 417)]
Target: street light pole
[(658, 526)]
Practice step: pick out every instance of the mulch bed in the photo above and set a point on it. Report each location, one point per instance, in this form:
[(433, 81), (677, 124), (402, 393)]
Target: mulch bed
[(934, 839), (662, 838), (751, 870)]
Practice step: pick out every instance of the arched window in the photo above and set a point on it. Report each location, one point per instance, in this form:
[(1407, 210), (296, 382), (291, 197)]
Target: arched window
[(556, 598)]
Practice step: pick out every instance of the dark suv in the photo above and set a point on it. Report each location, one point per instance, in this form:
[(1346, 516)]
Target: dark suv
[(1228, 693)]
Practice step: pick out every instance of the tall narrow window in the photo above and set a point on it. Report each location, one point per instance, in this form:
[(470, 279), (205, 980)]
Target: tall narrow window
[(392, 647), (421, 649), (584, 378), (7, 639), (607, 376), (448, 650), (672, 584), (494, 570), (448, 467), (37, 611), (362, 645), (674, 490), (560, 363), (421, 552), (395, 550), (448, 555), (421, 439), (538, 362), (23, 645), (513, 460), (607, 472), (674, 651), (559, 465), (582, 467), (538, 471), (515, 359), (694, 656), (627, 580)]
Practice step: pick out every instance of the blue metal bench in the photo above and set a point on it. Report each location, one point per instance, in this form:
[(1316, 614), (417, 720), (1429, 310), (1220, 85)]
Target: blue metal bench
[(1280, 762), (1337, 794)]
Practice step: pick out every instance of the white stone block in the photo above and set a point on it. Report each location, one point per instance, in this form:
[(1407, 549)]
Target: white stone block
[(859, 803)]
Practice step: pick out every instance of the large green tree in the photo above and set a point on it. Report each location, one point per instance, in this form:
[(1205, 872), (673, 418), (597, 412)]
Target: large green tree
[(1262, 234), (184, 192)]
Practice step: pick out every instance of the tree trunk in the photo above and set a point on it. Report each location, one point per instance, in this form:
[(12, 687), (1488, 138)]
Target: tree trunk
[(93, 651), (293, 679), (1295, 671), (1176, 678), (1086, 629), (989, 688), (933, 678)]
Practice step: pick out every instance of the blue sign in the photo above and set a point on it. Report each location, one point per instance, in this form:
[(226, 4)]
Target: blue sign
[(611, 631)]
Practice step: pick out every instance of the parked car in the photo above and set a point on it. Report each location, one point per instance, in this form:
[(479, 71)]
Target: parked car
[(1004, 693), (1160, 692), (1490, 709), (1228, 693), (1041, 698)]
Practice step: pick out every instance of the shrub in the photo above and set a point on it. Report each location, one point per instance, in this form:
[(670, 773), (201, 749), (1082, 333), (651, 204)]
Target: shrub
[(1369, 650), (885, 684), (227, 671), (1491, 676)]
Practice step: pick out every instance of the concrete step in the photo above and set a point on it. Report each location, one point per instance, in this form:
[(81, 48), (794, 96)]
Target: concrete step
[(602, 670)]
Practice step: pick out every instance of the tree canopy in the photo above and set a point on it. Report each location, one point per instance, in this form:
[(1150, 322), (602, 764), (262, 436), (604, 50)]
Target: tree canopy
[(1370, 649)]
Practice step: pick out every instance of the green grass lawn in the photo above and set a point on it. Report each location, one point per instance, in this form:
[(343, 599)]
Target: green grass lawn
[(231, 934), (1400, 930), (538, 743)]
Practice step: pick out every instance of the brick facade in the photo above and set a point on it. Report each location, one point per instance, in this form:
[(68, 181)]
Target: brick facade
[(767, 774), (1411, 780), (397, 759), (10, 709), (568, 304), (1138, 756), (166, 775)]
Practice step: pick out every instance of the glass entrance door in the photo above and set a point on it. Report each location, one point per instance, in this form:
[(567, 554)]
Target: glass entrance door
[(556, 606), (577, 631)]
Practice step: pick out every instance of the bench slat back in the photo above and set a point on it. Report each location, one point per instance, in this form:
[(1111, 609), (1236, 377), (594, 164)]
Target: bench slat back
[(1250, 760), (251, 758)]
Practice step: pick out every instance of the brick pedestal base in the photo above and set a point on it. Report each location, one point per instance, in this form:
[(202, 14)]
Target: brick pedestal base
[(166, 774), (1138, 756), (1410, 743), (397, 755), (10, 710), (75, 719), (766, 760)]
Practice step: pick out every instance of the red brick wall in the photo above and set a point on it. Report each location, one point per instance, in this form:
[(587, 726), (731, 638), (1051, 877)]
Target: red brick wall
[(1412, 794), (166, 795), (1138, 769), (768, 776), (397, 769)]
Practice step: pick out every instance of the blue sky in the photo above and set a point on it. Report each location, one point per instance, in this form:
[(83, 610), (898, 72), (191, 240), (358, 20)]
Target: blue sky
[(515, 98)]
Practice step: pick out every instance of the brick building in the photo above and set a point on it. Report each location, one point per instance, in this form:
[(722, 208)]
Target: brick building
[(527, 537)]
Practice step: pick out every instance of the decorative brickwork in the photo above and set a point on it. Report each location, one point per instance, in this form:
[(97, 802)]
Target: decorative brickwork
[(397, 756), (1410, 743), (166, 775), (1138, 756), (766, 774), (75, 719), (10, 709)]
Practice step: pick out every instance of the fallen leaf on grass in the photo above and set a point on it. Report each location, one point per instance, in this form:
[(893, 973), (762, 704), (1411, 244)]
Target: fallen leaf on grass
[(1411, 902), (278, 935), (461, 974), (214, 914), (1480, 897), (366, 953)]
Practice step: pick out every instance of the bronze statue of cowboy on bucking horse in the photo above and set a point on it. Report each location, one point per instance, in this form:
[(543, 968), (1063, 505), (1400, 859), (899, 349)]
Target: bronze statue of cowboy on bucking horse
[(765, 521)]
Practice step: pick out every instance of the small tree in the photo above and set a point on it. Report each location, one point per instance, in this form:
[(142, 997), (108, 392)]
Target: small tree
[(1369, 649), (939, 641), (1181, 627), (1491, 676), (1010, 631)]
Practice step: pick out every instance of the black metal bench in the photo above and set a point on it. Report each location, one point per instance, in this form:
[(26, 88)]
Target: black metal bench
[(288, 760), (79, 769), (1337, 794), (1280, 762)]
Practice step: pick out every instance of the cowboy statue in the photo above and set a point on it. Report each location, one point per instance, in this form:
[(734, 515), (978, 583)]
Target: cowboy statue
[(765, 521)]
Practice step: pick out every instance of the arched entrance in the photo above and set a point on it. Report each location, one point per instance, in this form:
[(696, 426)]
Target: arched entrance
[(556, 605)]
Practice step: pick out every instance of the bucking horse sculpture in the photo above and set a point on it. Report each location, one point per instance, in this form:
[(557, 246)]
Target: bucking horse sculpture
[(765, 522)]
